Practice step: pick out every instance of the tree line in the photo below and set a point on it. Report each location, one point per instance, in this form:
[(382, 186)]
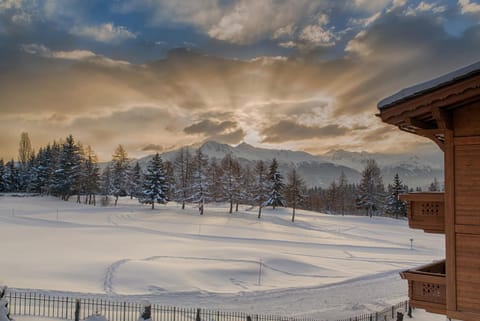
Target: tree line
[(67, 168)]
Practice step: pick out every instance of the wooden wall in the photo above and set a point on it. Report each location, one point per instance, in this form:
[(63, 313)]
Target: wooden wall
[(464, 164)]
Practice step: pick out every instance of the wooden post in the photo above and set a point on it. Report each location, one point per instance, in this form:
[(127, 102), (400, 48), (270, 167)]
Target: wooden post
[(77, 310), (197, 318)]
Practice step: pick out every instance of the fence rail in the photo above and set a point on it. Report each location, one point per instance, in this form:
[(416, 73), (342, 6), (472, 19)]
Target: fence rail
[(63, 307)]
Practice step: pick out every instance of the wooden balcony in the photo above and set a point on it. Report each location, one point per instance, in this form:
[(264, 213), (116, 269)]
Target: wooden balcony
[(427, 287), (426, 211)]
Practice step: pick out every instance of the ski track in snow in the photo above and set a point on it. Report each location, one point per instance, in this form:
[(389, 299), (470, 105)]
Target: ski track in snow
[(110, 274)]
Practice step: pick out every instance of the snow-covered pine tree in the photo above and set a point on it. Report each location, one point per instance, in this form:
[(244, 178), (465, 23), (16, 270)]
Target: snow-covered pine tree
[(183, 173), (67, 173), (261, 186), (247, 186), (215, 186), (331, 197), (228, 180), (343, 193), (170, 179), (119, 173), (154, 185), (11, 177), (2, 176), (276, 197), (106, 183), (394, 206), (237, 183), (199, 180), (135, 181), (294, 191), (371, 191), (92, 176)]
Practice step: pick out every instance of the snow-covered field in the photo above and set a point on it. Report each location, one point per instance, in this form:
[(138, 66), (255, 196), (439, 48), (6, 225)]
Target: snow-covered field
[(321, 266)]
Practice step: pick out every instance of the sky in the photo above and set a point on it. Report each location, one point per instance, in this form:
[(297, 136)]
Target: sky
[(157, 75)]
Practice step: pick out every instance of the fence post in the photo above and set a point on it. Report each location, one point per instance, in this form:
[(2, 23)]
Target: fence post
[(249, 318), (77, 310), (197, 318), (124, 311), (393, 312)]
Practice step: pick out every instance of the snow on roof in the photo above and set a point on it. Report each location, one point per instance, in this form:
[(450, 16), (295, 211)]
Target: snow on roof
[(418, 89)]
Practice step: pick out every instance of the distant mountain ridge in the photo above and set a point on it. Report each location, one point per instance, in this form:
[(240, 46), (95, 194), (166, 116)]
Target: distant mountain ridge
[(321, 170)]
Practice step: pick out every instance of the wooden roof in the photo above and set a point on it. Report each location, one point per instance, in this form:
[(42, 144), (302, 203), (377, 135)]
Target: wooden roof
[(423, 109)]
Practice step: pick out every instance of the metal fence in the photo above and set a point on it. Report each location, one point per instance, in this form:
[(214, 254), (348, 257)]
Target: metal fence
[(64, 308)]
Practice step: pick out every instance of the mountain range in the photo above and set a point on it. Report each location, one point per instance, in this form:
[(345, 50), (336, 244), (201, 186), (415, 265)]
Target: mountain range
[(320, 170)]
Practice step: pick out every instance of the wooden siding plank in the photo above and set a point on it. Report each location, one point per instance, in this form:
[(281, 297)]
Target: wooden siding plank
[(468, 276), (450, 220), (467, 184)]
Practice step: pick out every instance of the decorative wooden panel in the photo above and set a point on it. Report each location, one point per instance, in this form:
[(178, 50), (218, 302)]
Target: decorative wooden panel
[(426, 211), (427, 287), (468, 272), (467, 184)]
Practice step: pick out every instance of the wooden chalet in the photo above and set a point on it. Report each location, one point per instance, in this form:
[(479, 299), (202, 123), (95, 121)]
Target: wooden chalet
[(446, 110)]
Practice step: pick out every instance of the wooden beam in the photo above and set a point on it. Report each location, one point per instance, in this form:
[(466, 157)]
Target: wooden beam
[(432, 134), (443, 118), (418, 123)]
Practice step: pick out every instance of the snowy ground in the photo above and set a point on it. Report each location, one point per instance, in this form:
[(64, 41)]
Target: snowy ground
[(321, 266)]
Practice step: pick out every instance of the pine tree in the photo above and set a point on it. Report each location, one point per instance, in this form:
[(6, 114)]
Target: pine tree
[(183, 173), (154, 186), (67, 172), (199, 180), (119, 173), (2, 176), (11, 178), (276, 186), (343, 193), (294, 191), (228, 180), (247, 186), (261, 186), (92, 177), (135, 181), (395, 206), (106, 183), (434, 186), (170, 179), (371, 190), (215, 186)]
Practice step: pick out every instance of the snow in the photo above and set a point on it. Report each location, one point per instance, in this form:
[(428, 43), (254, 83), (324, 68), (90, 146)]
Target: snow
[(430, 85), (321, 266)]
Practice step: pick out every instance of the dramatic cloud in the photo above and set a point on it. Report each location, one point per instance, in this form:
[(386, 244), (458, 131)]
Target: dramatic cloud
[(107, 32), (209, 127), (468, 6), (287, 131), (283, 74)]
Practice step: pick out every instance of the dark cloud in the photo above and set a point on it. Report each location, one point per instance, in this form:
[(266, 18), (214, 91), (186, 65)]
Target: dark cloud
[(209, 127), (152, 148), (231, 138), (286, 130)]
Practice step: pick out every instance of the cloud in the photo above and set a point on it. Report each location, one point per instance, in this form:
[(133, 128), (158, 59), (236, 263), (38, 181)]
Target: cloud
[(210, 127), (287, 130), (78, 55), (467, 6), (153, 148), (316, 35), (426, 7), (231, 138), (106, 32)]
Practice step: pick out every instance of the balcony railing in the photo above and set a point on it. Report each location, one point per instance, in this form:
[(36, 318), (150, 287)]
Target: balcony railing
[(427, 287), (426, 211)]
